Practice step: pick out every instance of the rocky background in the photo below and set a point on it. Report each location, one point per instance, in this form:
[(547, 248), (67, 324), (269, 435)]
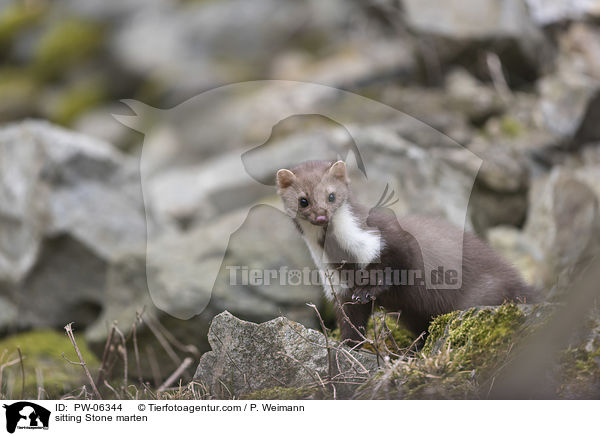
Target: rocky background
[(515, 82)]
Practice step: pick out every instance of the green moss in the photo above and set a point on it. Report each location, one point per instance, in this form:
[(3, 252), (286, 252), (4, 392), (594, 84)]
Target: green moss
[(42, 356), (511, 127), (437, 328), (77, 100), (281, 393), (18, 92), (579, 374), (461, 348), (394, 334), (65, 45), (478, 338), (17, 17)]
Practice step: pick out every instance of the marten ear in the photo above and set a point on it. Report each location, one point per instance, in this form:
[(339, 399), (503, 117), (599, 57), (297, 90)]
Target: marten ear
[(338, 170), (285, 178)]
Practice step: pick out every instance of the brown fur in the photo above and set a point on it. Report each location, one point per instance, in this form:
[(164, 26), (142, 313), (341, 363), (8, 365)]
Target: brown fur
[(486, 278)]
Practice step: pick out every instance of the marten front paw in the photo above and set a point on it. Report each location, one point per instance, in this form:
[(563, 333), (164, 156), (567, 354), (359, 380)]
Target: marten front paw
[(363, 295)]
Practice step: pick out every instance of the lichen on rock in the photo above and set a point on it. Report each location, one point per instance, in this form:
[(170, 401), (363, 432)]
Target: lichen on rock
[(249, 358)]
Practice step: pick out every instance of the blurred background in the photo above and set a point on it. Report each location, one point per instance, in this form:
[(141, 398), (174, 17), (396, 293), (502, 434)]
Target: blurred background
[(516, 82)]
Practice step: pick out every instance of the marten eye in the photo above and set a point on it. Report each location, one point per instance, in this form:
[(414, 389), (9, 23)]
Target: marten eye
[(331, 197), (303, 202)]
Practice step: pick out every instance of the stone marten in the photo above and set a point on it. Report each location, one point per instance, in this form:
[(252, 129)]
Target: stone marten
[(347, 239)]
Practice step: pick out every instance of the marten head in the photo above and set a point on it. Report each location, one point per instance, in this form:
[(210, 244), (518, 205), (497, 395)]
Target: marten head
[(313, 190)]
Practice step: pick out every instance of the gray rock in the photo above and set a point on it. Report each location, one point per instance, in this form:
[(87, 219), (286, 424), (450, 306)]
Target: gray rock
[(564, 221), (178, 41), (357, 62), (570, 97), (248, 357), (569, 104), (471, 97), (469, 19), (516, 247), (463, 26), (184, 196), (500, 193), (546, 12), (67, 207), (184, 281), (99, 123)]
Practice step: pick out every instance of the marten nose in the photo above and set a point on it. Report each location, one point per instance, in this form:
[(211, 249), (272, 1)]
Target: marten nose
[(321, 219)]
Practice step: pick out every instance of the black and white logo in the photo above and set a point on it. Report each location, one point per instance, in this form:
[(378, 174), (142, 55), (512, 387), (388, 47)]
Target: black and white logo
[(26, 415)]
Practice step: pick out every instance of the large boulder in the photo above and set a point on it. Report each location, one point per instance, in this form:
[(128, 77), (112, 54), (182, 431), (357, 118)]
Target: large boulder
[(546, 12), (69, 205), (247, 358), (570, 97), (228, 41), (186, 294), (457, 32), (564, 222)]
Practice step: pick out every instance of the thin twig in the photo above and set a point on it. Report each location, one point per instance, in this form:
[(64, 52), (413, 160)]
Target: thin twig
[(69, 330), (191, 349), (113, 390), (341, 306), (154, 368), (495, 68), (39, 378), (107, 349), (22, 372), (123, 349), (163, 342), (324, 329), (136, 351), (169, 381), (6, 365)]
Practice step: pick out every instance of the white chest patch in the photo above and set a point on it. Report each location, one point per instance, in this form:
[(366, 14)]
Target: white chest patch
[(363, 245)]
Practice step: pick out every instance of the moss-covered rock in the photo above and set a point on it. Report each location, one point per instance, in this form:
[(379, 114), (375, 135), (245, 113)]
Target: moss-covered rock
[(66, 44), (18, 92), (17, 17), (462, 351), (76, 100), (479, 338), (43, 364), (579, 373)]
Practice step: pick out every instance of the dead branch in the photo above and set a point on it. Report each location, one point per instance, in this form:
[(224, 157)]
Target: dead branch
[(169, 381), (22, 372), (324, 329), (6, 365), (107, 349), (136, 351), (69, 330), (123, 350), (163, 342)]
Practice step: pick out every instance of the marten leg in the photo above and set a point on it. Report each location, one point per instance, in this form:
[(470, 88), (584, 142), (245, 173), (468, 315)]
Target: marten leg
[(366, 294), (358, 314), (417, 324)]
